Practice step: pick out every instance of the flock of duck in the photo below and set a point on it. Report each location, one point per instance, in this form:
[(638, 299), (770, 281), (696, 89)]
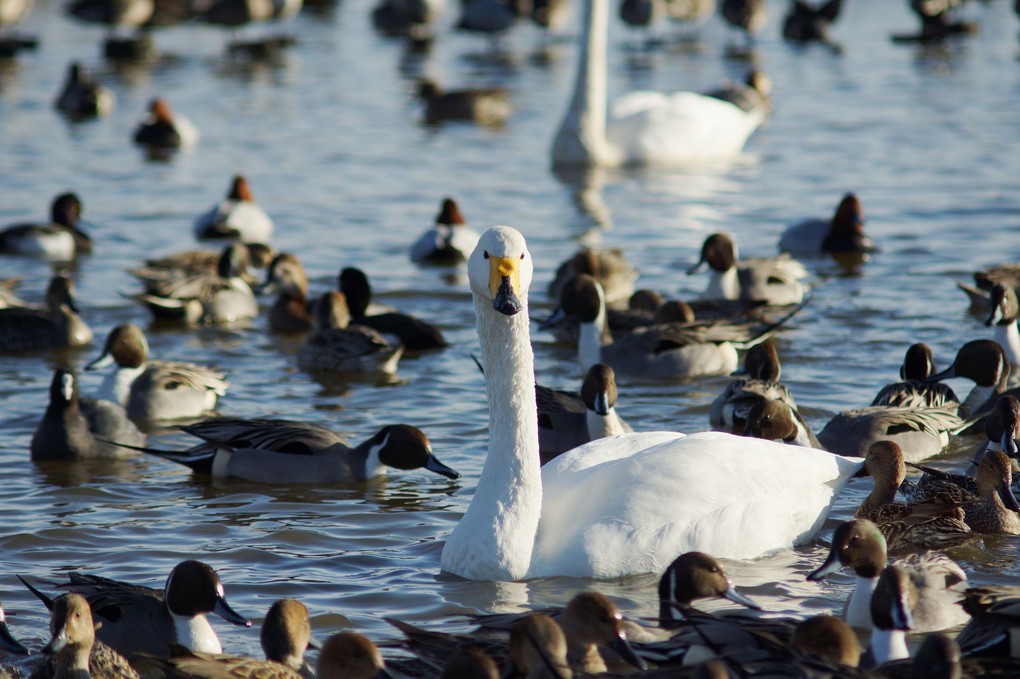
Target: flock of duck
[(668, 503)]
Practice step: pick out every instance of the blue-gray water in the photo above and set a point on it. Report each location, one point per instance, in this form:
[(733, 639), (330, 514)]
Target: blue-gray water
[(332, 145)]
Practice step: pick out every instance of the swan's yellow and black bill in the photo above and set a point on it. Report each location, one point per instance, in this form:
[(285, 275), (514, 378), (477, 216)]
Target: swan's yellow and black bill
[(504, 284)]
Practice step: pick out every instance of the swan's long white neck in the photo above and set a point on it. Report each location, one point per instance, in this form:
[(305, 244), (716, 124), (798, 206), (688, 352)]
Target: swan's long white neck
[(494, 539), (581, 139)]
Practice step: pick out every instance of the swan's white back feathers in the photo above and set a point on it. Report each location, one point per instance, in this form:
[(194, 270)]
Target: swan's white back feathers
[(631, 504)]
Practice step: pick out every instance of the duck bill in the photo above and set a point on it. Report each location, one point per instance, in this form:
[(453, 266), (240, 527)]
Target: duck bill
[(8, 642), (223, 609), (946, 374), (830, 566), (994, 316), (504, 282), (58, 642), (105, 359), (1007, 497), (558, 316), (602, 403), (733, 595), (696, 268), (626, 651), (434, 465)]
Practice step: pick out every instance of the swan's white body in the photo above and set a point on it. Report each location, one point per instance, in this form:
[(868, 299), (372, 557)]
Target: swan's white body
[(622, 505), (642, 128)]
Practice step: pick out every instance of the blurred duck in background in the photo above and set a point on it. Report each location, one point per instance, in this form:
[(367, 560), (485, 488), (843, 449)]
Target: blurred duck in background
[(82, 97), (238, 217)]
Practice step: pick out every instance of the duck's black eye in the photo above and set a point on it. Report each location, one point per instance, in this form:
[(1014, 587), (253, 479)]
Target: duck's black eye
[(485, 254), (522, 255)]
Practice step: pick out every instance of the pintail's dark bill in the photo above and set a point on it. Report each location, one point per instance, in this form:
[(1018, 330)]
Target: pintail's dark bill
[(434, 465), (224, 610)]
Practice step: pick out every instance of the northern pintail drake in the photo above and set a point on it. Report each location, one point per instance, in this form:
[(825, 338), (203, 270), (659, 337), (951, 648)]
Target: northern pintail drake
[(154, 389), (70, 426), (73, 650), (750, 95), (285, 635), (621, 505), (644, 127), (292, 310), (162, 129), (187, 263), (413, 333), (986, 279), (691, 576), (238, 217), (55, 326), (662, 351), (760, 382), (82, 97), (349, 655), (449, 242), (806, 23), (937, 523), (984, 362), (337, 345), (287, 451), (774, 420), (567, 419), (940, 582), (774, 280), (1002, 318), (843, 233), (995, 623), (137, 619), (892, 615), (919, 432), (609, 267), (482, 105), (7, 641), (61, 238), (220, 297), (914, 391)]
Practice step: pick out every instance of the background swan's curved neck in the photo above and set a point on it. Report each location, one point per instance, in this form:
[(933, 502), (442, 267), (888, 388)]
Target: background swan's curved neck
[(495, 538), (581, 139)]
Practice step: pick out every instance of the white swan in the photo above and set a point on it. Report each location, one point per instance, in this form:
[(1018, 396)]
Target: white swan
[(643, 128), (621, 505)]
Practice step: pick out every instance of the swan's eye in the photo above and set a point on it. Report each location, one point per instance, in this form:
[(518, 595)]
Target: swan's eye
[(485, 254)]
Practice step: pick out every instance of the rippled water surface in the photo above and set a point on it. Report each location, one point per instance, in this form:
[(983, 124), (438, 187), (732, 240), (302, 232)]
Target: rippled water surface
[(332, 143)]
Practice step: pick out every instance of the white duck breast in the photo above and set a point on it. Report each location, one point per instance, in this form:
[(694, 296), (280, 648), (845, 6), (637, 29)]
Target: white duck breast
[(239, 216), (622, 505)]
